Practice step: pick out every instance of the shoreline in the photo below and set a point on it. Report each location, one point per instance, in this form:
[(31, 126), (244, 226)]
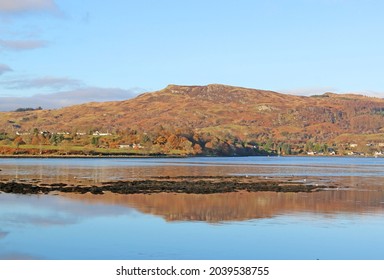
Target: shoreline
[(94, 156), (178, 156)]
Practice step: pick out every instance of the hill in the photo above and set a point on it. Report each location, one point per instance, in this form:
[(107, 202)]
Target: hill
[(212, 119)]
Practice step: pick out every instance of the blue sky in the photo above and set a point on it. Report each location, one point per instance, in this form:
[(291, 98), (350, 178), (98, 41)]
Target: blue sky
[(56, 53)]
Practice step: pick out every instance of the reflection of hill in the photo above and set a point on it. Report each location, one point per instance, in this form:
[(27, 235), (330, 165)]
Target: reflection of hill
[(243, 206)]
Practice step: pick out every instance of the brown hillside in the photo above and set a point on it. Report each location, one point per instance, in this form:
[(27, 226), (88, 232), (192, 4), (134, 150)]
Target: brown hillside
[(218, 110)]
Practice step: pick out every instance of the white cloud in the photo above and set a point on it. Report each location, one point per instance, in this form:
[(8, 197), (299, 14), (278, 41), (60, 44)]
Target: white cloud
[(67, 98), (20, 6), (4, 68), (20, 45), (55, 83)]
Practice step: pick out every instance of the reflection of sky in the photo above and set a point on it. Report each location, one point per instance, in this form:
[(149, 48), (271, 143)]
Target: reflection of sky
[(48, 210), (37, 225), (51, 227)]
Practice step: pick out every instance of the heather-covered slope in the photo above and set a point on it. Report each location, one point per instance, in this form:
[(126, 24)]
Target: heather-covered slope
[(225, 112)]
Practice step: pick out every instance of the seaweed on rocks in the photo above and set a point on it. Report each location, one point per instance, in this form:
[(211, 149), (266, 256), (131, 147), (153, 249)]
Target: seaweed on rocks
[(191, 185)]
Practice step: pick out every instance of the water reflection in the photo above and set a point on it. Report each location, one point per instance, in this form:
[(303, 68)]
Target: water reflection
[(364, 194), (51, 210), (91, 175), (277, 226), (49, 226), (243, 205), (93, 171), (263, 225)]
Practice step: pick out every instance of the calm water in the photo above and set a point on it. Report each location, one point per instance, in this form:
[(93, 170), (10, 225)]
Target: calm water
[(336, 224)]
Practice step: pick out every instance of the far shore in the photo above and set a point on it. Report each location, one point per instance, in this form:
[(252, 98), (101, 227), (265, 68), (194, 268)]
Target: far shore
[(179, 156), (97, 156)]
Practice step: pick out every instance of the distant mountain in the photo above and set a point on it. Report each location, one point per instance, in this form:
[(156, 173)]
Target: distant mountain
[(225, 112)]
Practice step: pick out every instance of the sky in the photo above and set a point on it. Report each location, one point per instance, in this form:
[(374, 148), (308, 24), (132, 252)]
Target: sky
[(55, 53)]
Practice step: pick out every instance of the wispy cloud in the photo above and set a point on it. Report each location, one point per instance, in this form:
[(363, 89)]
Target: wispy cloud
[(309, 91), (43, 220), (4, 68), (67, 98), (372, 93), (55, 83), (22, 6), (21, 45), (322, 90), (3, 234), (18, 256)]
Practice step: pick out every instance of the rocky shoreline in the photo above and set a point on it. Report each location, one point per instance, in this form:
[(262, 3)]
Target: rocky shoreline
[(189, 185)]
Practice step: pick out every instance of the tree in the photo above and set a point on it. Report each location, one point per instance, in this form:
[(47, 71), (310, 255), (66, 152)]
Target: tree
[(308, 146), (145, 139), (197, 149), (56, 139), (18, 141), (286, 149), (95, 141), (35, 132), (3, 136), (161, 140), (269, 145), (35, 140)]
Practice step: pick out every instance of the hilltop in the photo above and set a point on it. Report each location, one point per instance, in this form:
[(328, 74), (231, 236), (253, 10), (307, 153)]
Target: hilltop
[(212, 119)]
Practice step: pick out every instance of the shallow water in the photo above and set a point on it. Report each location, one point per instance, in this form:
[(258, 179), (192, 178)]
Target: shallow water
[(345, 223), (106, 169)]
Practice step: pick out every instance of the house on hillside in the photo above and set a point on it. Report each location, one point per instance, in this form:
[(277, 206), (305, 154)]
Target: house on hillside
[(133, 146), (22, 133), (45, 133), (331, 151), (98, 133), (124, 146)]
